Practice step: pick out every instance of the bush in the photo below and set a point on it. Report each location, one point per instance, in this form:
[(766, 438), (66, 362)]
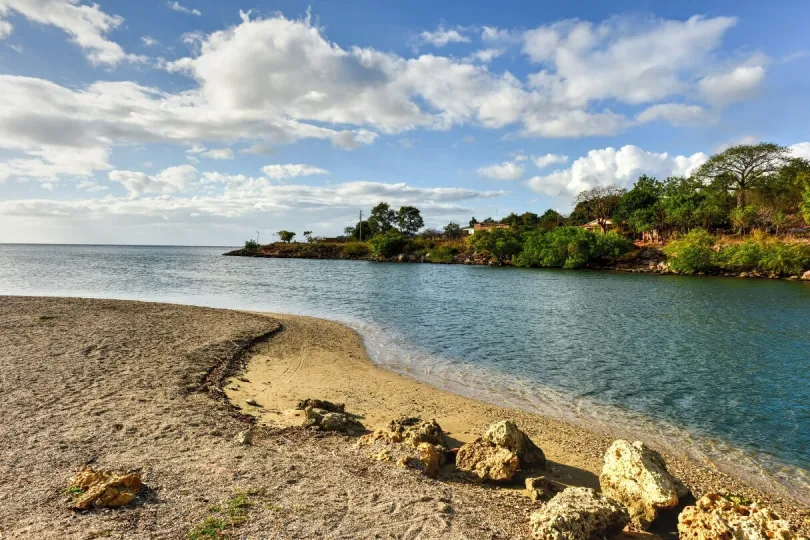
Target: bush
[(501, 244), (443, 254), (691, 253), (570, 247), (252, 245), (388, 244), (355, 249), (765, 254), (785, 259)]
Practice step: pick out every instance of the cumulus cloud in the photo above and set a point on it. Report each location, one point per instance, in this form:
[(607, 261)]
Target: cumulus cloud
[(5, 29), (801, 150), (739, 84), (170, 180), (610, 166), (485, 56), (50, 164), (283, 172), (175, 6), (441, 37), (549, 159), (87, 26), (508, 170), (677, 114), (149, 41), (218, 153)]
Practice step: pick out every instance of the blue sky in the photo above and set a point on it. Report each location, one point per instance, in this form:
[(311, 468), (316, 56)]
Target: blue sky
[(200, 122)]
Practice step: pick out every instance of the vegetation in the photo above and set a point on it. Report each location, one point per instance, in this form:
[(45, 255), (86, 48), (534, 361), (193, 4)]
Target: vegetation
[(251, 245), (224, 519), (355, 249), (691, 254), (570, 247), (286, 236), (388, 244)]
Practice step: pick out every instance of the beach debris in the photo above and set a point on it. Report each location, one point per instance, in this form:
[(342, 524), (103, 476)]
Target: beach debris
[(252, 403), (718, 517), (541, 488), (487, 462), (332, 421), (103, 489), (245, 437), (322, 404), (506, 434), (636, 476), (578, 514)]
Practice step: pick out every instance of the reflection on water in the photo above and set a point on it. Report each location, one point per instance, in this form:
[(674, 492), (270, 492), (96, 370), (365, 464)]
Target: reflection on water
[(718, 367)]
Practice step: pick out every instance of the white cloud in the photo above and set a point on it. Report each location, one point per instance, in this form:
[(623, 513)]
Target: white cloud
[(259, 149), (631, 60), (175, 6), (218, 153), (739, 84), (508, 170), (149, 41), (86, 24), (801, 150), (677, 114), (573, 123), (441, 37), (5, 29), (610, 166), (170, 180), (282, 172), (485, 56), (49, 164), (549, 159), (492, 33)]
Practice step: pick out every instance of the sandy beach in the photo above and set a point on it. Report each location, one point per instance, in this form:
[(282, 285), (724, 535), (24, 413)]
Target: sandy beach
[(134, 386)]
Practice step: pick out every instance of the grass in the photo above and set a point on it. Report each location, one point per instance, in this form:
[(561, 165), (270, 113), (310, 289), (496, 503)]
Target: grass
[(74, 491), (228, 516)]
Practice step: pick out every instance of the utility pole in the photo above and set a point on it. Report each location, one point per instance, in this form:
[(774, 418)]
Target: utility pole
[(360, 226), (257, 237)]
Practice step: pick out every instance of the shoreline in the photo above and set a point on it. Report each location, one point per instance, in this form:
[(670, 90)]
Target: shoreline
[(639, 264), (296, 365)]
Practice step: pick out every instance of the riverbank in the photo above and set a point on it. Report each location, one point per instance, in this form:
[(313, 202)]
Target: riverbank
[(135, 386), (641, 260)]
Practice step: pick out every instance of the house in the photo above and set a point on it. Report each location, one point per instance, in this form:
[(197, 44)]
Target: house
[(483, 227), (595, 226)]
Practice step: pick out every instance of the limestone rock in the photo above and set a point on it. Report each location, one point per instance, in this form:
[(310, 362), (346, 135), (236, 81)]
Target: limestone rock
[(806, 276), (431, 457), (411, 430), (542, 489), (507, 435), (637, 477), (578, 514), (332, 421), (487, 462), (244, 437), (327, 406), (103, 489), (715, 517)]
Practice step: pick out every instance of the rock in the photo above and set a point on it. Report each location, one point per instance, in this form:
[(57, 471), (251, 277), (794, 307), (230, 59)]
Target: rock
[(252, 403), (245, 437), (103, 489), (578, 514), (637, 477), (806, 276), (427, 460), (542, 489), (321, 404), (507, 435), (487, 462), (331, 421), (411, 430), (717, 517)]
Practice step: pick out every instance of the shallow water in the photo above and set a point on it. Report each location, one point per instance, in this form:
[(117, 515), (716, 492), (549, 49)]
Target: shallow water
[(718, 368)]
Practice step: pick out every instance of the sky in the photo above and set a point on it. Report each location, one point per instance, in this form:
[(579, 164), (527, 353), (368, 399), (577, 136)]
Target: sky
[(202, 122)]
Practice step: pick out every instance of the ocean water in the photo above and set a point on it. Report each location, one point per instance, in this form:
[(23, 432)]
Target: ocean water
[(712, 367)]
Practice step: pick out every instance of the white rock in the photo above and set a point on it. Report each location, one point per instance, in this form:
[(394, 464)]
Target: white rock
[(578, 514)]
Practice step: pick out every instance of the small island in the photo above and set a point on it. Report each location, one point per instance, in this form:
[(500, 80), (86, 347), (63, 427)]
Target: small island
[(745, 212)]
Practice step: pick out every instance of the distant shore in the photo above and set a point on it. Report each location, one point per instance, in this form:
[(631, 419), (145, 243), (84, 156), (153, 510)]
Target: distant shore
[(644, 260)]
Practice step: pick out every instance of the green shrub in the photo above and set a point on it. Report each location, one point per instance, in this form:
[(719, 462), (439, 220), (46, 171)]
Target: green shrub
[(691, 253), (388, 244), (443, 254), (785, 259), (501, 244), (741, 257), (570, 247), (251, 245), (355, 249)]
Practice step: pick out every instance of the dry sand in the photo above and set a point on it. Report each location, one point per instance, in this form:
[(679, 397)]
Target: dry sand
[(136, 386)]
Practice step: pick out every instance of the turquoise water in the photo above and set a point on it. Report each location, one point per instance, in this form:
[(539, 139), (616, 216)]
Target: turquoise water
[(716, 368)]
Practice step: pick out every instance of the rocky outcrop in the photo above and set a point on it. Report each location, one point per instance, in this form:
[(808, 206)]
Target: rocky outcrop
[(487, 462), (542, 489), (332, 421), (103, 489), (411, 430), (717, 517), (806, 276), (507, 435), (578, 514), (245, 437), (412, 442), (324, 405), (430, 457), (637, 477)]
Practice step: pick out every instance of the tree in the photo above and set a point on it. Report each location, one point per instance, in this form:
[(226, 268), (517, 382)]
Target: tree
[(409, 220), (746, 166), (639, 207), (354, 232), (600, 202), (308, 236), (286, 236), (388, 244), (431, 233), (381, 219), (551, 219), (805, 206), (501, 244), (452, 230), (473, 221)]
